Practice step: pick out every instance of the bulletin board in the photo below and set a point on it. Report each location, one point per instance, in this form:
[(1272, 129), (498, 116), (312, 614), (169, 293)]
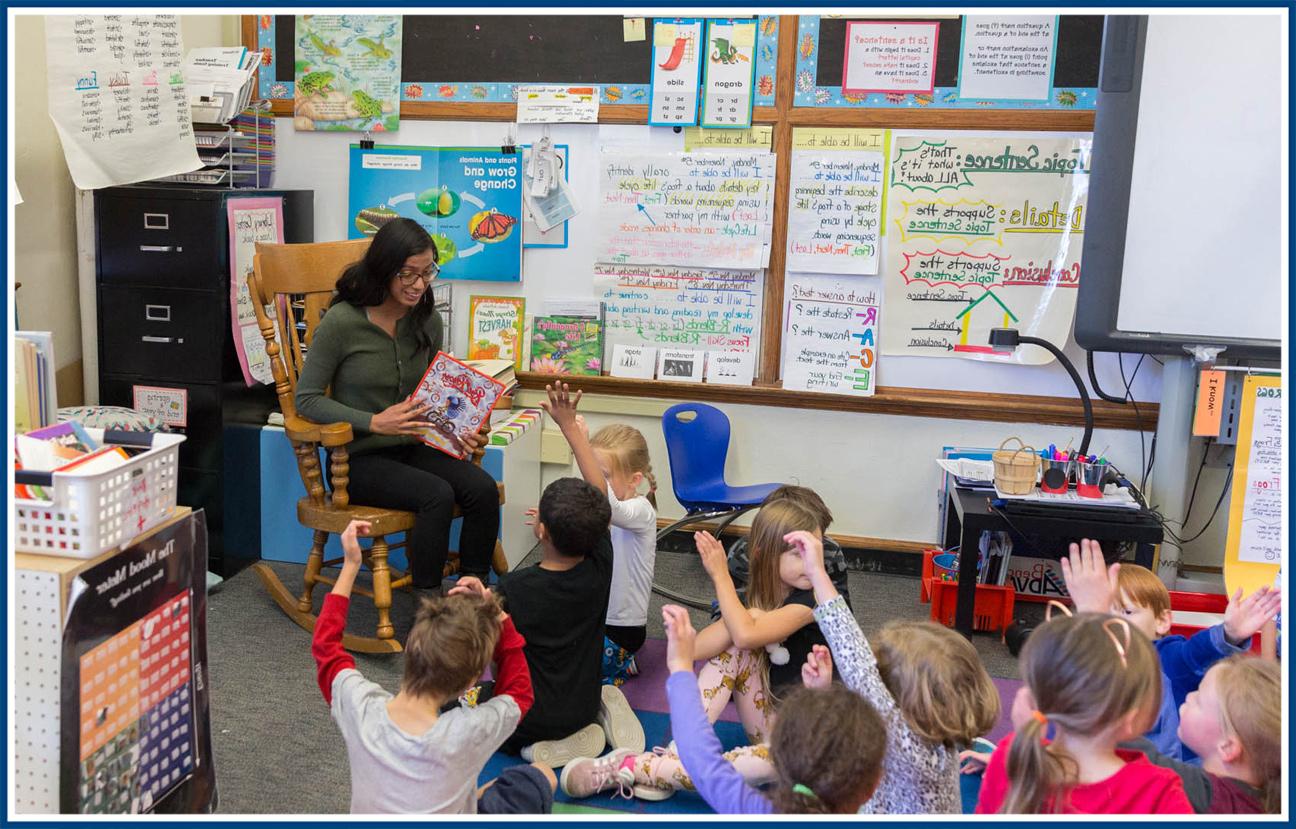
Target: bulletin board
[(908, 385), (492, 54), (820, 51)]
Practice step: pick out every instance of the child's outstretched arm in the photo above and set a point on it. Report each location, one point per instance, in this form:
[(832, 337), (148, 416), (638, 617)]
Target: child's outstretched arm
[(851, 653), (326, 645), (720, 785), (1090, 583), (746, 629), (561, 407)]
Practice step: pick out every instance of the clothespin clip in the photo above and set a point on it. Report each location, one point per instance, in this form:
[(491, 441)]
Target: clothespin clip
[(366, 143)]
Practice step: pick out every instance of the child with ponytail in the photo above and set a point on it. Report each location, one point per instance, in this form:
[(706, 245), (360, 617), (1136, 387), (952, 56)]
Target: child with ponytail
[(1096, 681), (615, 462)]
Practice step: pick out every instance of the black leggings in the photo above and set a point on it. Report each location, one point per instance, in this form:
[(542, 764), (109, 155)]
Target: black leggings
[(428, 482)]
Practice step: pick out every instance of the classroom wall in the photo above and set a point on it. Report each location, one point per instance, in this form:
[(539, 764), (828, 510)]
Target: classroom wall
[(45, 246)]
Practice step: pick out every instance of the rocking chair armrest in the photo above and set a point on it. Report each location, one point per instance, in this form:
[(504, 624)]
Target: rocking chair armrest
[(330, 435)]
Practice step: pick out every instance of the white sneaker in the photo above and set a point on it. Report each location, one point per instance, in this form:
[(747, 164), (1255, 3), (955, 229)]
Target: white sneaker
[(585, 776), (619, 722), (588, 742), (652, 793)]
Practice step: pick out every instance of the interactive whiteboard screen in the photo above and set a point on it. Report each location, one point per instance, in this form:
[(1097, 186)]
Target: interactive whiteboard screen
[(1204, 240)]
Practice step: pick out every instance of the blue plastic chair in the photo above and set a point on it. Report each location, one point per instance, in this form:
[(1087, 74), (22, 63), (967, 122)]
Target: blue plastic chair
[(697, 443)]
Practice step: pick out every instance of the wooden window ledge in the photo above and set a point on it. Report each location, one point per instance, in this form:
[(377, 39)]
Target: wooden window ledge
[(891, 400)]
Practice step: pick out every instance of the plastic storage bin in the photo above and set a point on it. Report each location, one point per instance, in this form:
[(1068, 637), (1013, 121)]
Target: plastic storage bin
[(90, 514), (992, 610)]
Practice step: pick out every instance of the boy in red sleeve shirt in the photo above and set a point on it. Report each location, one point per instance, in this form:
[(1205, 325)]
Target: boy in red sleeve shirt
[(406, 757)]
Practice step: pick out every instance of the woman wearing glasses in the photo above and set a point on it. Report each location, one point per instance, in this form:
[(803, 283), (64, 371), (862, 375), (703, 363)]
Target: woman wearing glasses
[(369, 352)]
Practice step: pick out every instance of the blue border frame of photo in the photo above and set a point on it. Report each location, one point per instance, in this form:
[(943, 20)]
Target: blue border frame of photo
[(808, 92), (485, 93)]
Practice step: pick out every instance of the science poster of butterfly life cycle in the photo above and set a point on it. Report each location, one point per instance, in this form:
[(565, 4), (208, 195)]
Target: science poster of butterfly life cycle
[(468, 199)]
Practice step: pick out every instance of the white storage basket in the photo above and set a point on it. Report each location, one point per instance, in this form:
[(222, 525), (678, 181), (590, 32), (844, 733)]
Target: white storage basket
[(91, 514)]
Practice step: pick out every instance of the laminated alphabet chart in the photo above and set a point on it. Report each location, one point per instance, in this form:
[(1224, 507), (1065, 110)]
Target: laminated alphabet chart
[(729, 73), (676, 307), (703, 209), (835, 211), (830, 333), (676, 68), (982, 233), (117, 97), (468, 199)]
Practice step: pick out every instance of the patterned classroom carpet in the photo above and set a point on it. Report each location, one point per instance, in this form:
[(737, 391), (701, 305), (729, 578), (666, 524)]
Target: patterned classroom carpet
[(646, 694)]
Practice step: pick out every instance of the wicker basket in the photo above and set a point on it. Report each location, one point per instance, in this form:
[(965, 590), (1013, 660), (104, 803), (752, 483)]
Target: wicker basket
[(1016, 470)]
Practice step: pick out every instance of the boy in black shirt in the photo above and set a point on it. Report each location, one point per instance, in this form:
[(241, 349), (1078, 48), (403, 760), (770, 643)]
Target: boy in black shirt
[(559, 606)]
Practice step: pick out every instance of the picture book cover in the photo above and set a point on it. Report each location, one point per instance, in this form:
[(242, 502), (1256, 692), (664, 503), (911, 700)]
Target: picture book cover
[(495, 328), (54, 446), (461, 399), (567, 345)]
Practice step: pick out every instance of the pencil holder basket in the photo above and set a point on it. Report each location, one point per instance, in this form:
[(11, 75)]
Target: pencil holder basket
[(1015, 470)]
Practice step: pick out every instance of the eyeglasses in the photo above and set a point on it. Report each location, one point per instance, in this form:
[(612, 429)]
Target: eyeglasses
[(408, 277)]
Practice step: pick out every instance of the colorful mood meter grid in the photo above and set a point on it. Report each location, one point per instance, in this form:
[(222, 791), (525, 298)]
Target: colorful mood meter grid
[(137, 713)]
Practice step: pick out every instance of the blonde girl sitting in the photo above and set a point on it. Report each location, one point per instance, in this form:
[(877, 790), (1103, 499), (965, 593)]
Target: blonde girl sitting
[(926, 681), (615, 462)]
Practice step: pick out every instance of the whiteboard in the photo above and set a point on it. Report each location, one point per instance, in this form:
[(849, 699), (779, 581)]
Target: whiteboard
[(318, 161), (1206, 228)]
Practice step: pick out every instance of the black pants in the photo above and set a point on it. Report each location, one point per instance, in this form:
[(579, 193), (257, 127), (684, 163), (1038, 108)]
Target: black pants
[(428, 482)]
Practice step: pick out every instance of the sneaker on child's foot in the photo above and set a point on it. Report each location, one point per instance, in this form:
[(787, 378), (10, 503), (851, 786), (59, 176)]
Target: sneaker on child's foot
[(585, 776), (646, 792), (619, 722), (588, 742)]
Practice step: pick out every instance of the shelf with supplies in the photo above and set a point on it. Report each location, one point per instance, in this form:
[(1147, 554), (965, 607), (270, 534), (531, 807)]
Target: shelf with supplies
[(238, 154)]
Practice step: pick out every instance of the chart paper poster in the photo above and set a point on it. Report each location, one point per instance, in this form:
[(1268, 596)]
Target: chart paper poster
[(495, 325), (982, 233), (250, 221), (347, 73), (890, 57), (830, 334), (117, 97), (835, 212), (468, 199), (1007, 58), (708, 308), (729, 74), (547, 104), (135, 687), (707, 209), (1259, 481)]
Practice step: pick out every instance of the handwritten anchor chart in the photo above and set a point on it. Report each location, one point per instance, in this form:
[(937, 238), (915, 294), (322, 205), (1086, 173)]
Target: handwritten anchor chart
[(468, 199), (117, 97), (835, 208), (710, 210), (982, 233), (830, 333)]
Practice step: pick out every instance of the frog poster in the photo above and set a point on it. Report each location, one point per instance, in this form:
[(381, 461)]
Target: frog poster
[(347, 72), (469, 200)]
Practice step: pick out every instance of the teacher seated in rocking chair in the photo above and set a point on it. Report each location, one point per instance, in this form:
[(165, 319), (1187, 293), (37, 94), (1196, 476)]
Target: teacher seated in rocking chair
[(372, 347)]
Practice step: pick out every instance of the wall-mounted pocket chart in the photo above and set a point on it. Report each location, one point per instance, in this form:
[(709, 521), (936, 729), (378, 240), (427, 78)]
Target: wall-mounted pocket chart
[(678, 53)]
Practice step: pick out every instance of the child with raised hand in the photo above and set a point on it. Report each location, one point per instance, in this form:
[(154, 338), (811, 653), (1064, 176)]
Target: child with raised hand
[(406, 757), (1137, 595), (926, 681), (1094, 679), (822, 745), (615, 462)]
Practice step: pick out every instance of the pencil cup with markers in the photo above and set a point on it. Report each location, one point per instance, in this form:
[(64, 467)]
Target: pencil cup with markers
[(1057, 472), (1089, 478)]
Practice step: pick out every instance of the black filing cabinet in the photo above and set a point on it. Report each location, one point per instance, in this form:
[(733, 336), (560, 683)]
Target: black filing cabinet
[(163, 284)]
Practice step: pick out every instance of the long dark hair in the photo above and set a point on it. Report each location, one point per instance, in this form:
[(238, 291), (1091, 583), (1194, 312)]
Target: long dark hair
[(365, 282)]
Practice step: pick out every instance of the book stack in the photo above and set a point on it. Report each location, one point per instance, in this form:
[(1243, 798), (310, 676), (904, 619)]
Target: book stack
[(513, 428), (503, 373), (220, 82), (35, 396), (63, 447)]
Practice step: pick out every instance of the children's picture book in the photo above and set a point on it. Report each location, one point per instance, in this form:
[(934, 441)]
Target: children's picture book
[(51, 448), (495, 328), (461, 399), (567, 345)]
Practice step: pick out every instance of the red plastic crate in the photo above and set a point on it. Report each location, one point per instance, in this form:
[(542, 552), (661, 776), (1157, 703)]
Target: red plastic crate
[(991, 610), (1200, 603)]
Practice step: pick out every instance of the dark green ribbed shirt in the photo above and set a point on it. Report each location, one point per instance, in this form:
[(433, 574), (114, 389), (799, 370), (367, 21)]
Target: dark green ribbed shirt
[(367, 370)]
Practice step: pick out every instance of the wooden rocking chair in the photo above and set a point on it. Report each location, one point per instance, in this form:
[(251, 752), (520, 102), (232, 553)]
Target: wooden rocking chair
[(295, 284)]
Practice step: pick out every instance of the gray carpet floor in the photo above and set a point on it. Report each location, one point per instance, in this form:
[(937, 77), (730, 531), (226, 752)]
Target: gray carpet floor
[(278, 751)]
